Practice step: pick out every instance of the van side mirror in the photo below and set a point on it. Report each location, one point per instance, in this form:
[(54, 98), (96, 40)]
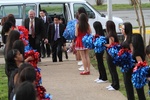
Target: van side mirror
[(91, 15), (103, 15)]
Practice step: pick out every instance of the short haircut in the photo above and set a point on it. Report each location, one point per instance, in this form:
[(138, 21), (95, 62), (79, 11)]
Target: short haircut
[(56, 16)]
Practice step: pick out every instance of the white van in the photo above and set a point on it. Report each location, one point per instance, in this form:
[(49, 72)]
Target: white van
[(64, 8)]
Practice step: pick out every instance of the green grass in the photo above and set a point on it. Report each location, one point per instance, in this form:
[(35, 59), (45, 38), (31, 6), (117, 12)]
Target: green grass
[(122, 87), (120, 7), (3, 84)]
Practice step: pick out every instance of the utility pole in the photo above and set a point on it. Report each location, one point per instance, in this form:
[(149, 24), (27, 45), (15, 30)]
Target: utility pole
[(109, 9)]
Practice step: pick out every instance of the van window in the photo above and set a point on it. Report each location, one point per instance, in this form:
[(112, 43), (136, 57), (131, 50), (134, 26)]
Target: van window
[(28, 7), (53, 8), (90, 13), (16, 10), (1, 13)]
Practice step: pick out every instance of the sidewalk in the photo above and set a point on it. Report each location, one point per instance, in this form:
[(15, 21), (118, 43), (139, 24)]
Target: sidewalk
[(63, 81)]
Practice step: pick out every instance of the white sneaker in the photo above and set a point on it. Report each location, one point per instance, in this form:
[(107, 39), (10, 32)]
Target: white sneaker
[(80, 63), (108, 87), (101, 81), (81, 68), (111, 89), (97, 80)]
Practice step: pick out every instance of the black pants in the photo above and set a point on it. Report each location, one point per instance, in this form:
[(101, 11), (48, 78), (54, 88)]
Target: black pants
[(113, 72), (45, 50), (101, 67), (128, 85), (57, 50), (35, 44)]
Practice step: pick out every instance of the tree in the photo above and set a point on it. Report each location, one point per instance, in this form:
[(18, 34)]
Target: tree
[(99, 2), (140, 17)]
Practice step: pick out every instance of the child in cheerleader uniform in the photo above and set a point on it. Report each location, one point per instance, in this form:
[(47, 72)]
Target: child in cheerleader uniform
[(83, 28)]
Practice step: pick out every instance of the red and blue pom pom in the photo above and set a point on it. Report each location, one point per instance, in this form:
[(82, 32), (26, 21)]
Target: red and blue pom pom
[(124, 60), (113, 49), (139, 76)]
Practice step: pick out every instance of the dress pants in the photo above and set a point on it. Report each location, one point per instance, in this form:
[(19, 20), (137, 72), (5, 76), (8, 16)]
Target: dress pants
[(35, 44), (128, 85), (101, 67), (113, 72), (45, 50), (57, 50)]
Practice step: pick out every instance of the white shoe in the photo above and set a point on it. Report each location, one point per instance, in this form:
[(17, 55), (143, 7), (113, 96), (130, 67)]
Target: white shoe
[(108, 87), (80, 63), (97, 80), (101, 81), (111, 89), (81, 68)]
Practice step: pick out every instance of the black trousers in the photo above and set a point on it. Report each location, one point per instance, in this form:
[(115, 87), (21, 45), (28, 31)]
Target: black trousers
[(128, 85), (113, 72), (35, 44), (45, 50), (57, 50), (101, 67)]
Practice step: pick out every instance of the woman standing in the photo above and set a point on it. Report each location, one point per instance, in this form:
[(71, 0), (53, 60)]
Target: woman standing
[(112, 38), (99, 56), (138, 55), (127, 44), (83, 28)]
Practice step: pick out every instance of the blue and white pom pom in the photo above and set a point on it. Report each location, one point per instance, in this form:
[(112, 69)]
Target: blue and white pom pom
[(87, 41), (99, 44), (69, 33), (139, 76)]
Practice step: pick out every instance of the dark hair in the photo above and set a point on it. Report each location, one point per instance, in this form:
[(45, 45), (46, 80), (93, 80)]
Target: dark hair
[(57, 16), (13, 36), (138, 46), (82, 10), (44, 11), (83, 23), (128, 31), (25, 91), (26, 73), (98, 28), (6, 27), (10, 59), (4, 19), (18, 44), (12, 19), (63, 20), (111, 30), (147, 50)]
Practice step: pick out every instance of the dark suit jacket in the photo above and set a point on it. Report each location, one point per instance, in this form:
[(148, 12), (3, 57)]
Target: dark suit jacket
[(51, 32), (39, 27), (46, 24)]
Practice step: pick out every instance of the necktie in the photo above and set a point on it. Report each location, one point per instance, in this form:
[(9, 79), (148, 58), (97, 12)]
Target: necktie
[(43, 19), (32, 29), (56, 33)]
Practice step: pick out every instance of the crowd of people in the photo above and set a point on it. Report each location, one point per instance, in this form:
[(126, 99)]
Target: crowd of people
[(45, 35)]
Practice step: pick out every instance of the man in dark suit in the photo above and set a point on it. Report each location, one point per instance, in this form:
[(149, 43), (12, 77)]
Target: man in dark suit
[(36, 30), (56, 38), (47, 20)]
